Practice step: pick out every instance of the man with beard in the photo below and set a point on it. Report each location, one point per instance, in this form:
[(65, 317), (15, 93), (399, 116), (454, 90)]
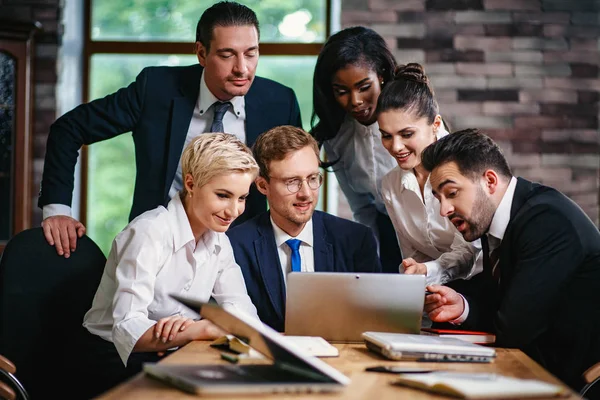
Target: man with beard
[(292, 236), (166, 108), (538, 291)]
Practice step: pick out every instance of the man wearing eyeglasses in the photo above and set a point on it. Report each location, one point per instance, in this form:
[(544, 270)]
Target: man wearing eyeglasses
[(292, 236)]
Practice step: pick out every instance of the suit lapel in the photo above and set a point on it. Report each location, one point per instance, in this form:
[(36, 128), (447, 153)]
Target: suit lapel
[(323, 250), (269, 265), (182, 109), (254, 115)]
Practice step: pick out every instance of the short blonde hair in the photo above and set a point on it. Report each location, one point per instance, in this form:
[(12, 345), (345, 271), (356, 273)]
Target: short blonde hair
[(213, 154)]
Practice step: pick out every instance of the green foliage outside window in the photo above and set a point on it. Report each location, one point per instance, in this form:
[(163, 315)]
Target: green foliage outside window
[(175, 20)]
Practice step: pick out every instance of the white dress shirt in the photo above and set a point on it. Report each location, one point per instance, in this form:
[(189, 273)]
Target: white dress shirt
[(154, 256), (234, 122), (496, 232), (307, 255), (363, 161), (423, 233)]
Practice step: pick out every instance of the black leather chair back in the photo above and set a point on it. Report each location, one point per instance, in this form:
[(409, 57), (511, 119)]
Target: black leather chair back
[(43, 298)]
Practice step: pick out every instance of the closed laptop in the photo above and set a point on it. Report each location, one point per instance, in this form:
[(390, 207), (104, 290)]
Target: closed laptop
[(426, 348), (341, 306)]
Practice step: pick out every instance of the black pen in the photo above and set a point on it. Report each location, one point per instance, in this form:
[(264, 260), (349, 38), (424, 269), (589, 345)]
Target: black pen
[(398, 369)]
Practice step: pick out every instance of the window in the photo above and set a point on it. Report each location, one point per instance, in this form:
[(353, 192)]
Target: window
[(125, 36)]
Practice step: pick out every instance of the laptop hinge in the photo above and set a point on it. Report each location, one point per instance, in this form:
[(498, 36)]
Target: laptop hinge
[(302, 371)]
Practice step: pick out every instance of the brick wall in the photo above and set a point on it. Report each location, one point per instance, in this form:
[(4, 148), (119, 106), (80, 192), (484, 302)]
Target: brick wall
[(48, 13), (524, 71)]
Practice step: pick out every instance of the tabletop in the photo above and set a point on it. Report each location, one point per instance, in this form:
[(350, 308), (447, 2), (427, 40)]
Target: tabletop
[(353, 360)]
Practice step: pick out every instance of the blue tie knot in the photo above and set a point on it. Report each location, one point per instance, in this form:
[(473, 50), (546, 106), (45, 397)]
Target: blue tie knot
[(294, 244)]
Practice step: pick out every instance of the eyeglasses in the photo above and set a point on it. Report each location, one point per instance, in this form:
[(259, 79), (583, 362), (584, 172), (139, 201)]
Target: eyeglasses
[(294, 185)]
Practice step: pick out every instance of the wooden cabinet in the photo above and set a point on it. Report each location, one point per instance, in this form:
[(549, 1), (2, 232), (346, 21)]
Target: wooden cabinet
[(16, 88)]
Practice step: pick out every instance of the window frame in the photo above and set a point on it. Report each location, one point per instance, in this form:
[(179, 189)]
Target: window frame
[(92, 47)]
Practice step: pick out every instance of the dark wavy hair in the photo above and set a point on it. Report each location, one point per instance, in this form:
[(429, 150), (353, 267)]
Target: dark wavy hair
[(223, 13), (410, 91), (472, 151), (352, 46)]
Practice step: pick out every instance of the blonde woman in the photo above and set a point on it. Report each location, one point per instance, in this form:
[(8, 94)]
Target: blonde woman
[(178, 249)]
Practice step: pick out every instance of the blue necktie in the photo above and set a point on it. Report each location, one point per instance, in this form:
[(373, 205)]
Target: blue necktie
[(220, 110), (295, 246)]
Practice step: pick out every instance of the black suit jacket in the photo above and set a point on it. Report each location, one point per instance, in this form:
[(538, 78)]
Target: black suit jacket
[(157, 108), (339, 246), (546, 302)]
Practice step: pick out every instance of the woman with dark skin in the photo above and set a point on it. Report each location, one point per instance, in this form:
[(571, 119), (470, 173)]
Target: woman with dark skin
[(351, 70)]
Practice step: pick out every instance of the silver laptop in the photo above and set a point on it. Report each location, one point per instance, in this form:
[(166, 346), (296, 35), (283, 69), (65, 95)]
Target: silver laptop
[(398, 346), (341, 306), (291, 370)]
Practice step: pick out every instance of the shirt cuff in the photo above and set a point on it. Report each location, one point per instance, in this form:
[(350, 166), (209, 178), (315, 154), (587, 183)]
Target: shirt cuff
[(126, 334), (434, 273), (464, 315), (52, 210)]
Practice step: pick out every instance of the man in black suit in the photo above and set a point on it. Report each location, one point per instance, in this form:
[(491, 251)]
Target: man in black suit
[(292, 236), (165, 108), (538, 291)]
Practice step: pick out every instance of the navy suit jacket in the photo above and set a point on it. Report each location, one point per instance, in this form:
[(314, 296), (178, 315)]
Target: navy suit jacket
[(157, 108), (339, 246), (546, 302)]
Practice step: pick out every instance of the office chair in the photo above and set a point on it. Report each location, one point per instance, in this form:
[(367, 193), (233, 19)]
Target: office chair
[(592, 382), (10, 387), (43, 298)]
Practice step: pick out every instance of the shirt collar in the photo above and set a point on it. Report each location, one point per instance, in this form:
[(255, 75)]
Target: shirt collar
[(352, 125), (207, 99), (306, 235), (182, 230), (502, 214)]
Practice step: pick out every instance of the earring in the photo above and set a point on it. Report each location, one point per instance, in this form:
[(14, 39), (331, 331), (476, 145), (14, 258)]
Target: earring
[(382, 82)]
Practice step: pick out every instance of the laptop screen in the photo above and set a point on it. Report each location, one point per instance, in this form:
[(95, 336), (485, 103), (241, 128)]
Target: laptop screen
[(264, 339)]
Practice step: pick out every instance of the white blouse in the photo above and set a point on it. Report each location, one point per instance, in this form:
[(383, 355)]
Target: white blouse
[(424, 234), (363, 162), (154, 256)]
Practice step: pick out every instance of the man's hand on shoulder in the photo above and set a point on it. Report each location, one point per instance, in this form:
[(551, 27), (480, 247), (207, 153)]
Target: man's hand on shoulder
[(62, 231)]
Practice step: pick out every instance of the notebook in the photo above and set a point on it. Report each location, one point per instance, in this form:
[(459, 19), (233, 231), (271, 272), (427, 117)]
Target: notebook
[(479, 385), (291, 370), (398, 346), (467, 336), (341, 306)]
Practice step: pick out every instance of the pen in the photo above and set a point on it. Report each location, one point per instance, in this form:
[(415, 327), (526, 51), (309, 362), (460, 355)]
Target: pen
[(230, 357)]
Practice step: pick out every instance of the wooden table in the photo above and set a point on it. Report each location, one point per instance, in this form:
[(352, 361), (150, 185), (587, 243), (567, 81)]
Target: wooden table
[(353, 360)]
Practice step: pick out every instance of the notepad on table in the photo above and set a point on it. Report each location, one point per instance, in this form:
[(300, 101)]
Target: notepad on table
[(313, 345), (478, 385), (468, 336)]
